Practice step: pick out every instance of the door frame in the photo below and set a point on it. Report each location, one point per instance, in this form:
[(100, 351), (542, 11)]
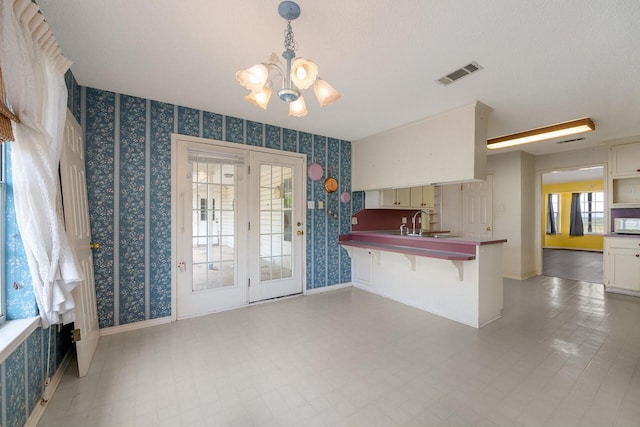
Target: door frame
[(539, 205), (175, 138)]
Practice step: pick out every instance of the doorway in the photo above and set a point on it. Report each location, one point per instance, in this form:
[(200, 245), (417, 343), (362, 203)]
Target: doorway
[(238, 225), (565, 253)]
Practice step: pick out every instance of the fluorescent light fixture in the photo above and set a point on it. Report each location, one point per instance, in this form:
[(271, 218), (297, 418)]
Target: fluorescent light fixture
[(541, 134)]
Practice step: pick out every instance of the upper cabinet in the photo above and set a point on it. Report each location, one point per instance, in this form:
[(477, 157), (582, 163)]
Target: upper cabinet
[(624, 165), (624, 160), (448, 147), (399, 198), (422, 197)]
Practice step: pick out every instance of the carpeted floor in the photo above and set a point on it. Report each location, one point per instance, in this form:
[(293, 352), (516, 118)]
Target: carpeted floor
[(575, 265)]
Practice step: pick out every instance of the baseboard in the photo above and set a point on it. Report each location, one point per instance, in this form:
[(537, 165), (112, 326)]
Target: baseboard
[(328, 288), (134, 326), (54, 382)]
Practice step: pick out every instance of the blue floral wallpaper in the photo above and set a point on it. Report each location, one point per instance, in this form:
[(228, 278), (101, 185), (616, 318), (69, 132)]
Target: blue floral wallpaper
[(128, 142), (23, 373)]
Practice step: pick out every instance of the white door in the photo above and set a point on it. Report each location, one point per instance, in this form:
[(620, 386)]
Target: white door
[(76, 216), (211, 236), (276, 236), (477, 209)]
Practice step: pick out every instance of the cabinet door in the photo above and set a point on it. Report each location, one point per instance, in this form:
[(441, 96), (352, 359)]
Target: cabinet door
[(361, 266), (416, 197), (422, 197), (625, 159), (403, 197), (388, 198), (428, 197), (624, 269)]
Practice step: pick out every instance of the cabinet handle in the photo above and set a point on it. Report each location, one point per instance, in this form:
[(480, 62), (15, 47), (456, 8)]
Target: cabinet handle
[(637, 255)]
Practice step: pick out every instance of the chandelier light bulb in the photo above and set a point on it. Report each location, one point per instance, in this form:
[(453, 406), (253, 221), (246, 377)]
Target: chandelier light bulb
[(260, 99), (253, 78), (298, 108), (303, 73), (325, 93)]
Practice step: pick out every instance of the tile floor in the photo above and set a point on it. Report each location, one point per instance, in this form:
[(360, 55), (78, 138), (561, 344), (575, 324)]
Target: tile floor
[(565, 353), (572, 264)]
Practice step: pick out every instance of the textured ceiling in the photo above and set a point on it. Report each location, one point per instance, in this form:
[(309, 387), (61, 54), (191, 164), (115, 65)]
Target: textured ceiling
[(545, 61)]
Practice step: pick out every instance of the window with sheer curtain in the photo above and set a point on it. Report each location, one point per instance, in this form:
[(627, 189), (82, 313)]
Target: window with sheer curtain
[(33, 70)]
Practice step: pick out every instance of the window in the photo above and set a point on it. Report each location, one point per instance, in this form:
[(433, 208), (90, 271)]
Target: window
[(203, 209), (592, 207)]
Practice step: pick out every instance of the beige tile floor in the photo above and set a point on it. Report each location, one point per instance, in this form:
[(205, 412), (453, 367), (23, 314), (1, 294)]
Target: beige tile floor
[(564, 354)]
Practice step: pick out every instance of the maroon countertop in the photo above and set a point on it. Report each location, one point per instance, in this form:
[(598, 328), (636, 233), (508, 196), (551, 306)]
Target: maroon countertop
[(445, 247)]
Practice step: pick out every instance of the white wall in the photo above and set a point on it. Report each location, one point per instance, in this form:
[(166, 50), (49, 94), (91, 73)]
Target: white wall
[(528, 216), (507, 202)]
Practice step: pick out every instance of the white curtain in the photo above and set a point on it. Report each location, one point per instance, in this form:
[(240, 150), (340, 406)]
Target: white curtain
[(33, 68)]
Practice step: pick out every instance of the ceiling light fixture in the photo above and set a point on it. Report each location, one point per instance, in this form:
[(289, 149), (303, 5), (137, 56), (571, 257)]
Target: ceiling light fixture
[(541, 134), (296, 74)]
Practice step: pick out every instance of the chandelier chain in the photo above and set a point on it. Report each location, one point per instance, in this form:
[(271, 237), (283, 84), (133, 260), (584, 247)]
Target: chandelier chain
[(289, 42)]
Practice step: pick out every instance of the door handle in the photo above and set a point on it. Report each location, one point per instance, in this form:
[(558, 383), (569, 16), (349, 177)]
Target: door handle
[(94, 245), (299, 232), (488, 228)]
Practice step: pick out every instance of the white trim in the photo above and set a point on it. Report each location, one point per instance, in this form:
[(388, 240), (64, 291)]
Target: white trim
[(116, 210), (134, 326), (329, 288), (175, 137), (49, 390), (621, 291), (15, 332)]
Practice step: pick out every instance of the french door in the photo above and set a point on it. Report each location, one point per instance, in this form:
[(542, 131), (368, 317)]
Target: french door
[(276, 218), (239, 231)]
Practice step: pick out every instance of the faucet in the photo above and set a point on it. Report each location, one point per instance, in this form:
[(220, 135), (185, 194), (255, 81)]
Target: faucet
[(413, 220)]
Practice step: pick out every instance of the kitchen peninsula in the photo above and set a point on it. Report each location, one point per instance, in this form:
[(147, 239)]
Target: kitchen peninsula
[(453, 277)]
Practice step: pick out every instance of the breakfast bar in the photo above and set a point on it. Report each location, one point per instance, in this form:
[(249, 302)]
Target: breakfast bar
[(453, 277)]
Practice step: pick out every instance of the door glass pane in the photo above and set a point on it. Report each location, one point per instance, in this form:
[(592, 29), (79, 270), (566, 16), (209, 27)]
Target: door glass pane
[(275, 222), (213, 190)]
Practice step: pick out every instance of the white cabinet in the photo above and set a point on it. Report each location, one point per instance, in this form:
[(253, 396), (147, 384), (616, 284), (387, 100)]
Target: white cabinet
[(396, 198), (625, 159), (622, 265), (421, 152), (362, 263), (624, 162), (422, 197)]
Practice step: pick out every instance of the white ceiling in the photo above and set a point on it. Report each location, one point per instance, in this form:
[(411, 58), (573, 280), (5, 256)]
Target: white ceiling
[(545, 61), (573, 175)]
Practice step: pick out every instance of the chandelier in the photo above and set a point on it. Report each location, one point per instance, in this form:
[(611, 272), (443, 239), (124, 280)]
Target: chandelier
[(296, 74)]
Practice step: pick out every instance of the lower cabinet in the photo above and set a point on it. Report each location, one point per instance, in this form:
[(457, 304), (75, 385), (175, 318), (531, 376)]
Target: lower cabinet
[(362, 265), (622, 264)]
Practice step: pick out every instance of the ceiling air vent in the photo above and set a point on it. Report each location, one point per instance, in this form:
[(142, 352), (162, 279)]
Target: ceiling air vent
[(570, 140), (459, 73)]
